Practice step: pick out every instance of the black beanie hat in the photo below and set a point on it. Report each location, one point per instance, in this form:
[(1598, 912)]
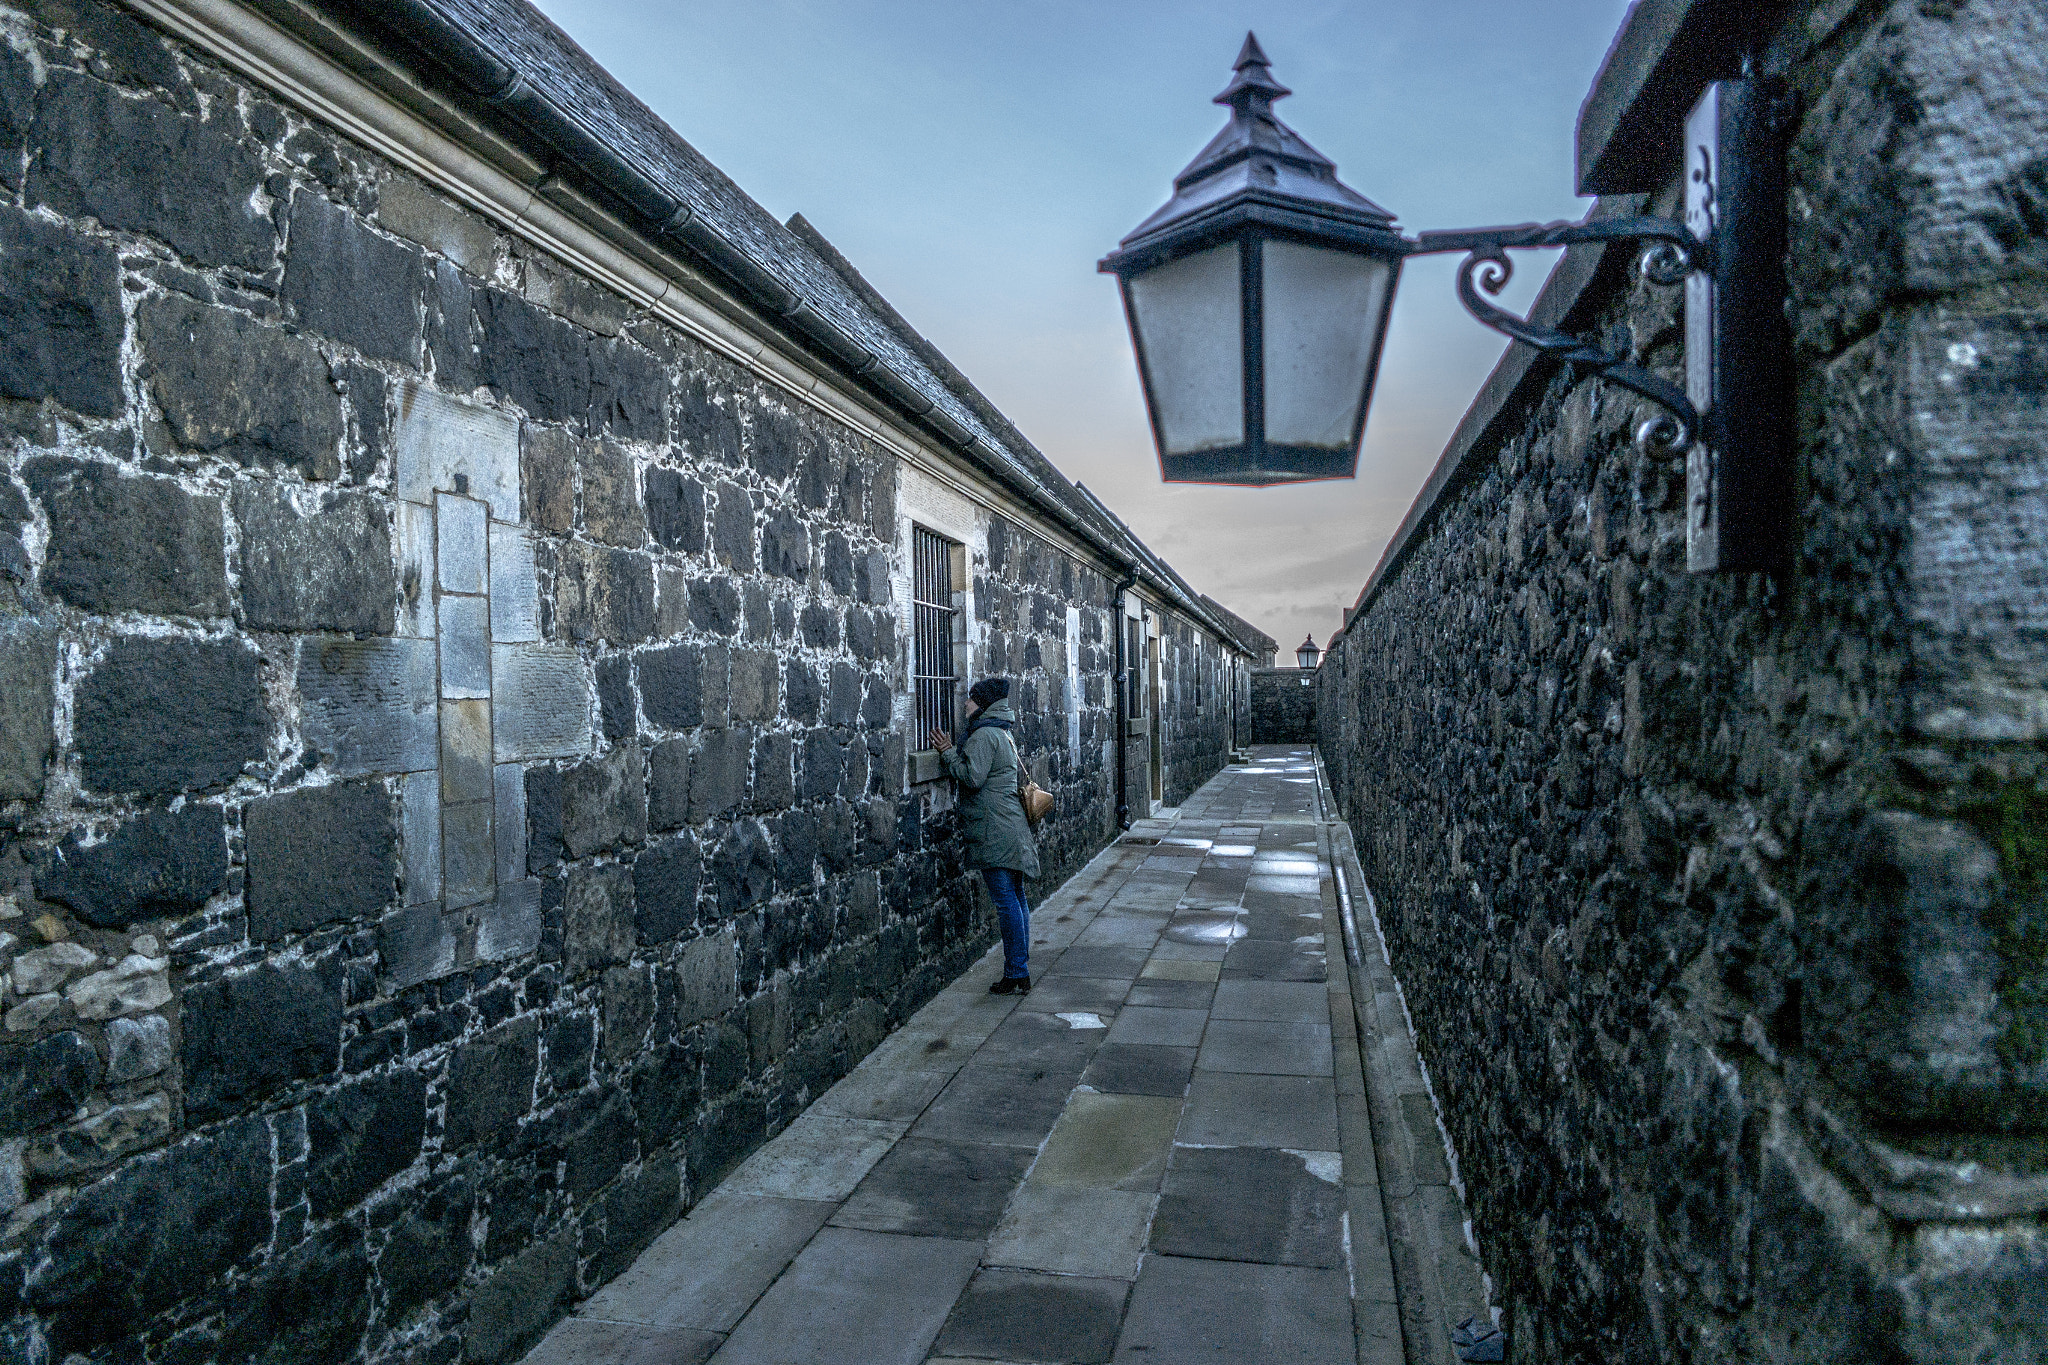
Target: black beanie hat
[(989, 691)]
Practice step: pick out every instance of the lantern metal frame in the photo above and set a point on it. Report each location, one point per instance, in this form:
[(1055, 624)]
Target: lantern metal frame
[(1258, 181)]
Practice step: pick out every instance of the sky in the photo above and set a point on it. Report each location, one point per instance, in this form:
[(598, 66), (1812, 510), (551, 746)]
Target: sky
[(975, 158)]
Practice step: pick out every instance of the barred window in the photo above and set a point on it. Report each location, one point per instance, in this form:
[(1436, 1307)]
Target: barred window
[(931, 593)]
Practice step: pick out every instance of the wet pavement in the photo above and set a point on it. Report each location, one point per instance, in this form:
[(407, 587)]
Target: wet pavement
[(1163, 1153)]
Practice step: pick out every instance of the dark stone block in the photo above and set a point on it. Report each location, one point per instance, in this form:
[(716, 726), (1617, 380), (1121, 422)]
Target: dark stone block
[(166, 715), (604, 802), (671, 687), (45, 1081), (1028, 1315), (369, 406), (360, 1136), (632, 1214), (28, 700), (597, 917), (877, 705), (820, 626), (837, 564), (628, 392), (590, 1139), (843, 695), (675, 511), (785, 546), (160, 1229), (618, 712), (547, 470), (796, 852), (570, 1041), (665, 882), (732, 529), (718, 773), (706, 424), (668, 785), (230, 386), (248, 1036), (860, 634), (665, 1089), (158, 864), (533, 358), (755, 685), (803, 694), (743, 869), (452, 332), (715, 606), (512, 1308), (923, 1188), (774, 772), (1139, 1069), (17, 107), (824, 764), (328, 569), (60, 316), (611, 495), (723, 1138), (1248, 1204), (189, 183), (543, 818), (350, 284), (774, 445), (319, 855), (601, 593), (490, 1084), (429, 1248), (130, 544), (627, 996)]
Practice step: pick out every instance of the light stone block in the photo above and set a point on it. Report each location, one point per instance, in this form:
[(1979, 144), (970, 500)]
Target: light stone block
[(816, 1157), (439, 440), (461, 535), (511, 926), (515, 586), (465, 752), (415, 571), (370, 703), (419, 804), (465, 647), (468, 856), (541, 704), (508, 788)]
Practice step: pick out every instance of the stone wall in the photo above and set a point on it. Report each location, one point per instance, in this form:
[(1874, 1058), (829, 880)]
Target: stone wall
[(1283, 702), (1720, 901), (453, 740)]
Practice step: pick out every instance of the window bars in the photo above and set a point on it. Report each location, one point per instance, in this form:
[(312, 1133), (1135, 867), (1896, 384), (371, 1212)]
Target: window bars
[(931, 593)]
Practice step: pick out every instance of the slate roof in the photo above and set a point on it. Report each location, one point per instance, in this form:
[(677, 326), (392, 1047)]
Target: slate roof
[(506, 62)]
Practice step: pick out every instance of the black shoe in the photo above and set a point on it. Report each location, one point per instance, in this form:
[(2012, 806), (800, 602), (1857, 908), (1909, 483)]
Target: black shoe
[(1011, 985)]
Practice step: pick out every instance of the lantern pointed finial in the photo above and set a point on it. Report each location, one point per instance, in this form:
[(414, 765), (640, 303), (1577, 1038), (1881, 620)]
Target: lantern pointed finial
[(1253, 89)]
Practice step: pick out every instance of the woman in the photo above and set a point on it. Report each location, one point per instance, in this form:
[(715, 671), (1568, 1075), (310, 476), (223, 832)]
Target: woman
[(999, 838)]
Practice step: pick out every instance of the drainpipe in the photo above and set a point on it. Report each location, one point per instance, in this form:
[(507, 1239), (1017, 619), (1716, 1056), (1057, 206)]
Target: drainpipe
[(1123, 701)]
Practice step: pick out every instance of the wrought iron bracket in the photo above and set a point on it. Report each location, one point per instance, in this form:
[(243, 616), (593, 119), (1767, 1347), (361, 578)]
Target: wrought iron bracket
[(1673, 253)]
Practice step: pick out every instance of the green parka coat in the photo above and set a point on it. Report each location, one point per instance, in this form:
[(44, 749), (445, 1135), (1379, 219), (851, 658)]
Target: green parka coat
[(991, 815)]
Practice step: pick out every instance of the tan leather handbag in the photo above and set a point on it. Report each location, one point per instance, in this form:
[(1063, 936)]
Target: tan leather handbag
[(1036, 800)]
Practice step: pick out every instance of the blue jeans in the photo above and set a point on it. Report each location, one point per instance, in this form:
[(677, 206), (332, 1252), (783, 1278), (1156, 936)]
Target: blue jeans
[(1006, 889)]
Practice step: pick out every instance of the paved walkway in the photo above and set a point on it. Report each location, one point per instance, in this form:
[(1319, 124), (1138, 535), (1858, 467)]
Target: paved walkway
[(1163, 1154)]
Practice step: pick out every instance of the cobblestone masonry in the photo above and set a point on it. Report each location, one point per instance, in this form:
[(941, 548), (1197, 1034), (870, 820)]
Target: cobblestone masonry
[(1283, 706), (452, 738), (1720, 901)]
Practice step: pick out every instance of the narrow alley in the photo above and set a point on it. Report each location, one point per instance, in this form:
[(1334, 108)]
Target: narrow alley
[(1163, 1153)]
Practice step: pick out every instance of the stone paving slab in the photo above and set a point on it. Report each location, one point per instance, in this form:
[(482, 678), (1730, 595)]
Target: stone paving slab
[(855, 1298), (1164, 1153)]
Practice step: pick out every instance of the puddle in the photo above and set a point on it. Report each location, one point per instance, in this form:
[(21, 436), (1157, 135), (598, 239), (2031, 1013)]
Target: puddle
[(1207, 927), (1080, 1020)]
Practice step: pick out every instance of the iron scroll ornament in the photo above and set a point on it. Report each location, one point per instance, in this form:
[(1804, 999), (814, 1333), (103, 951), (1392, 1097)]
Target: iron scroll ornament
[(1673, 253)]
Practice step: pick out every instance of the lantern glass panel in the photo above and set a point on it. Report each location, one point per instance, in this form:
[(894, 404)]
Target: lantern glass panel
[(1322, 316), (1188, 316)]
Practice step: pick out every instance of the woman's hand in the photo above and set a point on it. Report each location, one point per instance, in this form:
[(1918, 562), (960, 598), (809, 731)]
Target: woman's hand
[(940, 740)]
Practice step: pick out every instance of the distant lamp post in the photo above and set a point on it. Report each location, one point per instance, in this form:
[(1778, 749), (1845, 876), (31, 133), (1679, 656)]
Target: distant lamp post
[(1258, 299), (1307, 655)]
